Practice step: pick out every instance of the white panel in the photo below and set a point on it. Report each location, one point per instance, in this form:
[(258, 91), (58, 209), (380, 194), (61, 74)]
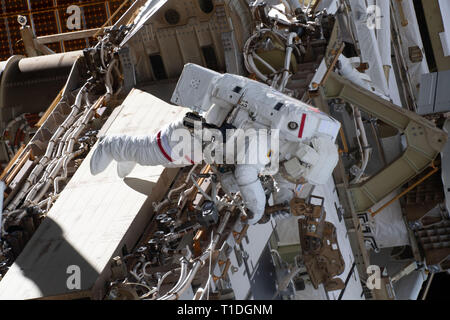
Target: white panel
[(95, 215), (427, 95), (146, 12), (445, 36)]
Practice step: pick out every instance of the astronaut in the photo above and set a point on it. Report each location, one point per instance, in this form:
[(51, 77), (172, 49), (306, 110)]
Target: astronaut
[(295, 142)]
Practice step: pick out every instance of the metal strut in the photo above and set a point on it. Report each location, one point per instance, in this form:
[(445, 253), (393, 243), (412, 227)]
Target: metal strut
[(424, 141)]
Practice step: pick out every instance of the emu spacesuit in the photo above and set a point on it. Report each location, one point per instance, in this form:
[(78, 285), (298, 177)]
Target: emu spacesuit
[(299, 139)]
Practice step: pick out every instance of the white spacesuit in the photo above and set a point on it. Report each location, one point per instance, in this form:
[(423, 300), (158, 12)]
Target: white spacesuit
[(301, 139)]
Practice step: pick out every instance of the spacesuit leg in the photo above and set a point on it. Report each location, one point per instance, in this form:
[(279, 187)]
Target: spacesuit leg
[(146, 151), (251, 189)]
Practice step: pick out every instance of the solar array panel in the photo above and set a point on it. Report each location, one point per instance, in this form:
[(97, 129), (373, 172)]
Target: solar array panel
[(48, 17)]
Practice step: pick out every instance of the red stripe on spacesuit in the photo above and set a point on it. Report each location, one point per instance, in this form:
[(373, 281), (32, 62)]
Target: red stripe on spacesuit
[(302, 126), (189, 159), (158, 140)]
